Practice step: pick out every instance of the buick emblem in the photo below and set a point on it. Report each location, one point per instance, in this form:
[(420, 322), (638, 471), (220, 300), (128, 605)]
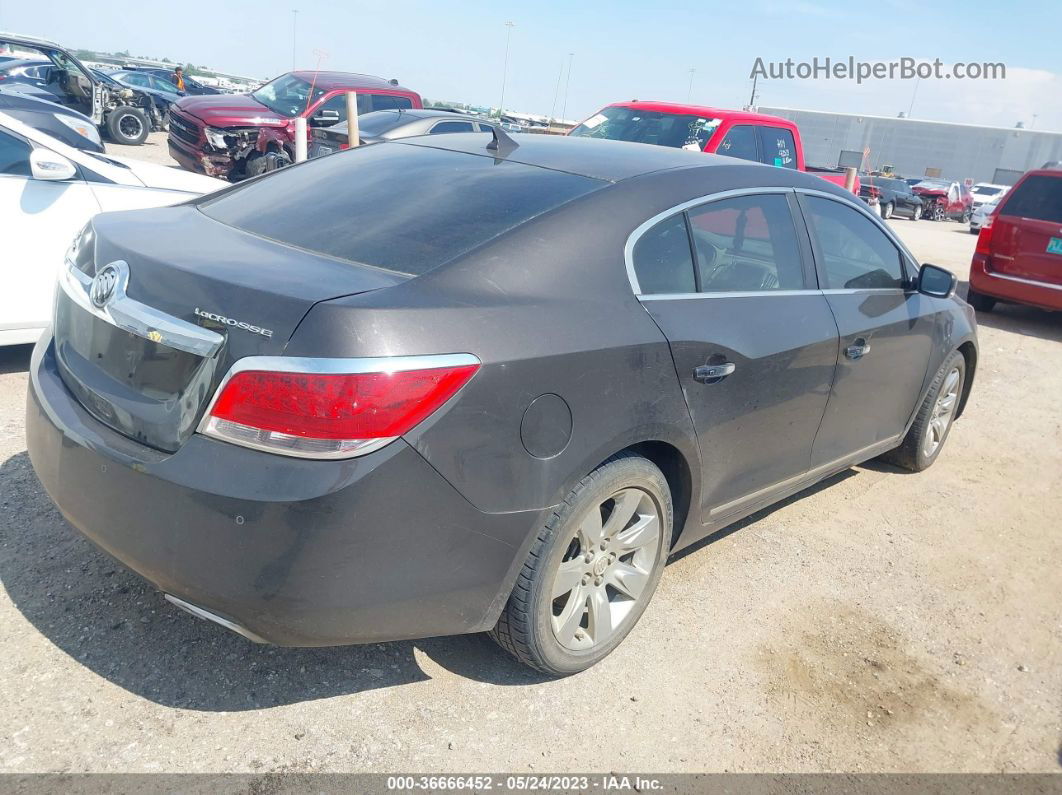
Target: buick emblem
[(103, 285)]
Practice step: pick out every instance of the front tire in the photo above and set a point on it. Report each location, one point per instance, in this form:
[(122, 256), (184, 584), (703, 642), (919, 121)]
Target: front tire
[(916, 213), (128, 125), (927, 434), (592, 569)]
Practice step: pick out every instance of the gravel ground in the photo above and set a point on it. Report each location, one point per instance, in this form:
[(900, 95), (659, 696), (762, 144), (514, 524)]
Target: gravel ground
[(879, 621), (154, 150)]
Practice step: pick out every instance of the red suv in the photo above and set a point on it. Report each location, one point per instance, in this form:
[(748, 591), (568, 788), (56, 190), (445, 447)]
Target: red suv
[(244, 135), (1019, 251)]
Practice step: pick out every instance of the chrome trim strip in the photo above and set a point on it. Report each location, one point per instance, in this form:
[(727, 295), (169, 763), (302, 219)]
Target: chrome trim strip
[(641, 229), (137, 318), (1020, 280), (207, 428), (853, 458), (328, 366), (199, 612), (750, 294)]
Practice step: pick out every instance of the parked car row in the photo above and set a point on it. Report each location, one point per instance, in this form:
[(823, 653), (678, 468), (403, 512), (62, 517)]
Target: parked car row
[(124, 113)]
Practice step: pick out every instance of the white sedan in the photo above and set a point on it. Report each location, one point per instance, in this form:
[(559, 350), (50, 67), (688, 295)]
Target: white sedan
[(48, 192), (980, 215)]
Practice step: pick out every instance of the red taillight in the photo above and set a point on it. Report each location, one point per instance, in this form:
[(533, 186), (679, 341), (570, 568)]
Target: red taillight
[(310, 408), (984, 238)]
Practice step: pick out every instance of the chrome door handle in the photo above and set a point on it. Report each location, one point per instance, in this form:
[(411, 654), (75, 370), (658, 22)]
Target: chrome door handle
[(713, 373), (858, 349)]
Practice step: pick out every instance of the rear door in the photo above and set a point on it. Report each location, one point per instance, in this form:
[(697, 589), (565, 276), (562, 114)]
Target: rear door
[(754, 343), (1027, 238), (886, 329)]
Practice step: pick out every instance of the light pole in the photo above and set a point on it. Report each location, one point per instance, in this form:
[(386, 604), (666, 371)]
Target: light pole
[(556, 95), (505, 67), (689, 93), (914, 93), (568, 82), (294, 22)]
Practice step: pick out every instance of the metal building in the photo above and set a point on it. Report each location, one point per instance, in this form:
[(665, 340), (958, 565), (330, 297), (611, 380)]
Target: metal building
[(914, 147)]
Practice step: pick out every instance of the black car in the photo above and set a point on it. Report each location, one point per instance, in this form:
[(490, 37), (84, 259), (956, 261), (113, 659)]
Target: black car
[(192, 87), (161, 91), (72, 128), (450, 384), (894, 196), (388, 125)]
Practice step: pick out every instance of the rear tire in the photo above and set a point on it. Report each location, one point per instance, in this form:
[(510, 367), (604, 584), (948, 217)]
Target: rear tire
[(128, 125), (916, 213), (927, 434), (979, 301), (886, 210), (592, 569)]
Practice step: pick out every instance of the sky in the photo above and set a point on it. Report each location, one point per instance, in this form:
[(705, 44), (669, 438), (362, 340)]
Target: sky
[(620, 50)]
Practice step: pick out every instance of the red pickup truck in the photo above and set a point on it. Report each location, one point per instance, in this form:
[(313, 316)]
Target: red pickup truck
[(736, 133), (243, 135)]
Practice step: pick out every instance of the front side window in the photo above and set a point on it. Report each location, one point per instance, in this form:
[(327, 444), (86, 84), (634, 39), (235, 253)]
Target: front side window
[(779, 148), (14, 155), (1039, 197), (662, 258), (746, 244), (740, 142), (855, 253), (677, 130)]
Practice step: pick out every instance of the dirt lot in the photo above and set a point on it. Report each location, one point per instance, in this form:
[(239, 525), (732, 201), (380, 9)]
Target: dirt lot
[(880, 621)]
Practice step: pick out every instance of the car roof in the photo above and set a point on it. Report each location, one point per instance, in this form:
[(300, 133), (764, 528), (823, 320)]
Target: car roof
[(702, 110), (331, 80), (597, 158)]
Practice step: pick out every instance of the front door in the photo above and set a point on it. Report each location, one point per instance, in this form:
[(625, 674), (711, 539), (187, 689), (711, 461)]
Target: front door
[(42, 219), (886, 330), (754, 344)]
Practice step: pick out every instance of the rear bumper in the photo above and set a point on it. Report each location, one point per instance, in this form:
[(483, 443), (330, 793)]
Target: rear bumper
[(294, 552), (1012, 288)]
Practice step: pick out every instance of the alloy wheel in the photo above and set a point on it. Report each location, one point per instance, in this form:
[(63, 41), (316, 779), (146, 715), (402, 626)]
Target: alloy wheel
[(606, 569), (130, 127), (943, 413)]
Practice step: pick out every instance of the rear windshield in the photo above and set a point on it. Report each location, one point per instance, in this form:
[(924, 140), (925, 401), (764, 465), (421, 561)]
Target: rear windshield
[(395, 206), (679, 130), (1039, 197)]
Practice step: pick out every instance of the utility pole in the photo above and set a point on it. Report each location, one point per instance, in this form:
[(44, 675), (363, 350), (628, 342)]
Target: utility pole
[(914, 93), (505, 67), (689, 92), (568, 82), (752, 99), (294, 23)]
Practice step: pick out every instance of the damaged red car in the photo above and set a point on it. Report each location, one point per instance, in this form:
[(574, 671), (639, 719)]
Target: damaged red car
[(943, 199), (236, 136)]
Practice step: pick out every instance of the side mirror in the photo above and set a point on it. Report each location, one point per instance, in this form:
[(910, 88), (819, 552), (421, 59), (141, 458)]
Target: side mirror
[(936, 281), (48, 165), (324, 118)]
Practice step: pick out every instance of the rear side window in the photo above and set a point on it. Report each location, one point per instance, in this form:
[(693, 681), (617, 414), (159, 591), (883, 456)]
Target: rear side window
[(14, 155), (855, 253), (779, 148), (401, 207), (452, 127), (389, 102), (740, 142), (663, 261), (746, 244), (1039, 197)]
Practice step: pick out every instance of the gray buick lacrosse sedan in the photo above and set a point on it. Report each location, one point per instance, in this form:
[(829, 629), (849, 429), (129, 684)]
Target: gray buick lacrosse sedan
[(455, 384)]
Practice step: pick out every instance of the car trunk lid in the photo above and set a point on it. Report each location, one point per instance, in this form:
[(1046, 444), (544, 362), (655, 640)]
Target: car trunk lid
[(191, 297)]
